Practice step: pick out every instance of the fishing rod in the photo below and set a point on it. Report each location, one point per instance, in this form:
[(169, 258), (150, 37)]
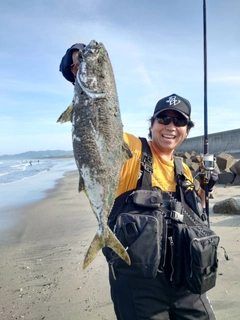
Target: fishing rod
[(208, 161), (205, 78)]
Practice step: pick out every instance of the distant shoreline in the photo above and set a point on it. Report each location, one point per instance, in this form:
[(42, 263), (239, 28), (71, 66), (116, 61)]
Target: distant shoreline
[(48, 154), (70, 157)]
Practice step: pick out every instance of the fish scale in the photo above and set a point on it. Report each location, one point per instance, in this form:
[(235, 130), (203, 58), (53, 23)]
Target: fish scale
[(98, 145)]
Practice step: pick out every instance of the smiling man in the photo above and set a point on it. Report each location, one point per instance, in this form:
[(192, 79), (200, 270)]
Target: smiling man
[(155, 298), (169, 126)]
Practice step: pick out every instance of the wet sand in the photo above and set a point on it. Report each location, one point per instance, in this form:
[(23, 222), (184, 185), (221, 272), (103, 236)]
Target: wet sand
[(41, 260)]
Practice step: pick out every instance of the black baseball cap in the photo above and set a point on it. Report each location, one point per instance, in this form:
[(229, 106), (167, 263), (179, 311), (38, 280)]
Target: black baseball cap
[(67, 61), (173, 102)]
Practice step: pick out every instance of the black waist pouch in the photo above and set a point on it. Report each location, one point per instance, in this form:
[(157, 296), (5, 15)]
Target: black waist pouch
[(141, 228), (197, 247)]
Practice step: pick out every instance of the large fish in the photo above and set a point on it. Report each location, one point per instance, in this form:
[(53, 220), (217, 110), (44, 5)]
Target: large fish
[(98, 145)]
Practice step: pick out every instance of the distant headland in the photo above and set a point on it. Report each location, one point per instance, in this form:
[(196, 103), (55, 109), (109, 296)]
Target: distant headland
[(39, 155)]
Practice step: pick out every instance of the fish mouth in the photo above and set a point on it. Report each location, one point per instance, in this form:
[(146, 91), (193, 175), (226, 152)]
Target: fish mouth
[(91, 46)]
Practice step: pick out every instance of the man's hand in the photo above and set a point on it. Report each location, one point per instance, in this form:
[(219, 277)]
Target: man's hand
[(212, 181)]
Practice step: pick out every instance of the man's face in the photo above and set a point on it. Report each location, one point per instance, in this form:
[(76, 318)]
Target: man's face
[(74, 67), (168, 137)]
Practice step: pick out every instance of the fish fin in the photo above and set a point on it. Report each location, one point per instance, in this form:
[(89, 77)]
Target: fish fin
[(100, 242), (81, 184), (127, 152), (66, 115), (113, 243)]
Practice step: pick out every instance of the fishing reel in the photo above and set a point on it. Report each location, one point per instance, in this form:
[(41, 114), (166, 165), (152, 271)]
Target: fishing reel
[(207, 164)]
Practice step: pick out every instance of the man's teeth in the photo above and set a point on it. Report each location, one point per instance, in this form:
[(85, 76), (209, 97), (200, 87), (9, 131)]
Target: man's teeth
[(168, 136)]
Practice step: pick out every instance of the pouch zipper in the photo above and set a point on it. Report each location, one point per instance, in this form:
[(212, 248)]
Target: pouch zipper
[(165, 227), (171, 245)]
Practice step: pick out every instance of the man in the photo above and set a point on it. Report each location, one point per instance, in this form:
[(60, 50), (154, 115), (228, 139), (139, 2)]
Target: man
[(69, 67), (137, 298), (157, 298), (69, 64)]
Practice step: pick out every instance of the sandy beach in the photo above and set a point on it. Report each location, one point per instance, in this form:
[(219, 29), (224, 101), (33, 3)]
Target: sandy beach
[(41, 260)]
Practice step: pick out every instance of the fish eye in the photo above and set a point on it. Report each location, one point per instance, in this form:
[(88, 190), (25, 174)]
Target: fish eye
[(80, 56)]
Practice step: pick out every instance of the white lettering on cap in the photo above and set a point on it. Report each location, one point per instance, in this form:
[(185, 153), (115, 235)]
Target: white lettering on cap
[(173, 101)]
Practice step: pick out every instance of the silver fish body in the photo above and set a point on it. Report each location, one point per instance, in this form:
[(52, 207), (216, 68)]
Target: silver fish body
[(98, 145)]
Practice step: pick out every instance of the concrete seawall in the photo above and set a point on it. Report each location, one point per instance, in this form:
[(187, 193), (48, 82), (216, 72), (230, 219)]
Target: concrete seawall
[(226, 141)]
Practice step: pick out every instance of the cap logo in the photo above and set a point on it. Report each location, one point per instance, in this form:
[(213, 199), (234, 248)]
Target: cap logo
[(172, 100)]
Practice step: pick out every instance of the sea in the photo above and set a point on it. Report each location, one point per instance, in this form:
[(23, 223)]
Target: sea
[(23, 182)]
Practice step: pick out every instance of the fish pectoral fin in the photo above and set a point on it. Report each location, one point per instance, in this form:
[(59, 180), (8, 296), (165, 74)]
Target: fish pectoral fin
[(127, 152), (81, 184), (66, 115), (100, 242)]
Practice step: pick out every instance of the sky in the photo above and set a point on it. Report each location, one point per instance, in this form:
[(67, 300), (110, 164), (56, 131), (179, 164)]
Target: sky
[(155, 47)]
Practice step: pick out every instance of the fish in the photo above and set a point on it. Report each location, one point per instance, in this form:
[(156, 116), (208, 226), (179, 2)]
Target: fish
[(98, 145)]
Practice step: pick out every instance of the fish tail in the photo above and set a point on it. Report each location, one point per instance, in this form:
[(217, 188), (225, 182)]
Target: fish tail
[(100, 242), (113, 243)]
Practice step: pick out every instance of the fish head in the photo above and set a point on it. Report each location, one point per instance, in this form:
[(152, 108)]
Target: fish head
[(92, 73)]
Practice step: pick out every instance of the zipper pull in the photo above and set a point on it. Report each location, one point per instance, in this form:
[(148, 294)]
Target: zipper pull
[(171, 241), (112, 269), (129, 196)]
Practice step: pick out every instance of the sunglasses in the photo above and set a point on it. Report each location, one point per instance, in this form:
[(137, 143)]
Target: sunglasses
[(178, 122)]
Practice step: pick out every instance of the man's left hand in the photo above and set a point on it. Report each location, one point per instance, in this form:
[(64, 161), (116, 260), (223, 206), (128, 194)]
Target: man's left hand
[(212, 181)]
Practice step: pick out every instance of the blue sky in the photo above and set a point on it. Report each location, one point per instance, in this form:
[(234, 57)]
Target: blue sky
[(156, 49)]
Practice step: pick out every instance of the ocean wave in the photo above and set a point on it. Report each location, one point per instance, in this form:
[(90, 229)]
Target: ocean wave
[(11, 171)]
